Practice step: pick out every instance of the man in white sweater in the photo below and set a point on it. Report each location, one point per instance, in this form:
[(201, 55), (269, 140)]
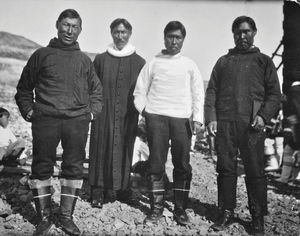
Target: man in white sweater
[(169, 94)]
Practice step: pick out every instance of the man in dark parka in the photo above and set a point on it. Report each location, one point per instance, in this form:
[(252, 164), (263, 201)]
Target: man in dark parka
[(243, 94), (60, 94)]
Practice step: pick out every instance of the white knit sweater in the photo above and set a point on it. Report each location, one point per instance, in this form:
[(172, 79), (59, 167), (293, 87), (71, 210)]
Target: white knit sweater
[(170, 86)]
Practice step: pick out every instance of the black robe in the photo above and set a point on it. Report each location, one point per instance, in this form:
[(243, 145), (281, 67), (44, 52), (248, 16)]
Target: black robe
[(114, 130)]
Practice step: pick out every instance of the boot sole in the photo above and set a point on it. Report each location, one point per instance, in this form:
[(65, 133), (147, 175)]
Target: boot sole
[(66, 231), (217, 229), (182, 223), (47, 232)]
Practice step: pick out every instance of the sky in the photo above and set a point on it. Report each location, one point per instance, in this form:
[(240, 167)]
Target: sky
[(208, 24)]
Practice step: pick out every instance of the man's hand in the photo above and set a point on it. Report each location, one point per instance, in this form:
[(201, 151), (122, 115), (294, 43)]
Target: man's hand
[(29, 115), (258, 123), (212, 128), (197, 127)]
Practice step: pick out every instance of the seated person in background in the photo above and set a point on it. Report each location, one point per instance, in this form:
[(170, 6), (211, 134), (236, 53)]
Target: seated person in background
[(273, 149), (291, 150), (11, 148), (141, 149)]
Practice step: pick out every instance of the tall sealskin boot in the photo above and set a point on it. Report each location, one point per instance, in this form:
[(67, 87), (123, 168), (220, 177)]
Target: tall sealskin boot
[(226, 219), (258, 226), (41, 190), (181, 194), (156, 195), (257, 196), (42, 200), (226, 192), (69, 194)]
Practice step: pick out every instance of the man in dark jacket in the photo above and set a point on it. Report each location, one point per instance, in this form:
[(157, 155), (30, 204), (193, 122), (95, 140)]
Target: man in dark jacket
[(60, 93), (243, 94)]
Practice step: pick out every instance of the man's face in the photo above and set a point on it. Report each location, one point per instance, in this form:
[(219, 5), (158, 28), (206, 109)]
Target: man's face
[(173, 42), (244, 36), (3, 120), (68, 30), (120, 36)]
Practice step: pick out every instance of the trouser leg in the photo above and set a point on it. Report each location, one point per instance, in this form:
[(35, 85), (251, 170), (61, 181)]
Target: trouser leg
[(226, 192), (182, 173), (252, 153), (73, 141), (46, 133), (157, 128), (227, 152), (180, 149)]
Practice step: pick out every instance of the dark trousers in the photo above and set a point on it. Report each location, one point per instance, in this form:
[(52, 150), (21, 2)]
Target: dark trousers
[(160, 130), (47, 132), (238, 138), (294, 106)]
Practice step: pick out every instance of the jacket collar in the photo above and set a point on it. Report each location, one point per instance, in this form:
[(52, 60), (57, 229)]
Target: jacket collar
[(55, 43), (252, 49)]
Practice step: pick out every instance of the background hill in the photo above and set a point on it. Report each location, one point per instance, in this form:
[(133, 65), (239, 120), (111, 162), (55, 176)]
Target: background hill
[(15, 50), (15, 46)]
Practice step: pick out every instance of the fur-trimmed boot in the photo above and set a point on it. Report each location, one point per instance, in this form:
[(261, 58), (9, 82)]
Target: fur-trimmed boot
[(69, 195), (156, 195), (181, 195), (41, 190), (258, 226), (257, 200)]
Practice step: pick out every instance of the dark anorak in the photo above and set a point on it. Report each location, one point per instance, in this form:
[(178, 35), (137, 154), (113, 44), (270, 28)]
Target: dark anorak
[(241, 86), (59, 81)]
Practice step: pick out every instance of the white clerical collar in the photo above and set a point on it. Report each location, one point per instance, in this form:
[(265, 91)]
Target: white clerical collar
[(126, 51)]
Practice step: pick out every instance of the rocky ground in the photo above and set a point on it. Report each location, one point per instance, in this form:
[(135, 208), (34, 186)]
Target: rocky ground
[(17, 215)]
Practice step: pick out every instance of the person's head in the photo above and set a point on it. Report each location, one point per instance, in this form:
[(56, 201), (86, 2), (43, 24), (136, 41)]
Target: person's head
[(174, 35), (4, 115), (244, 31), (120, 30), (68, 26)]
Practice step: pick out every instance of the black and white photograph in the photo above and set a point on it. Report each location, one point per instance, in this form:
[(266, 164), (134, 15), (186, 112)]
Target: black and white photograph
[(149, 117)]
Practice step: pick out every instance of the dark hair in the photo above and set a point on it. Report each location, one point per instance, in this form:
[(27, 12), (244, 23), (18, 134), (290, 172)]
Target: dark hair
[(4, 112), (175, 25), (69, 13), (119, 21), (241, 19)]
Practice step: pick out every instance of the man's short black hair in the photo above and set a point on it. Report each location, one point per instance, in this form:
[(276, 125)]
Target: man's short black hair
[(119, 21), (4, 112), (241, 19), (69, 13), (175, 25)]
